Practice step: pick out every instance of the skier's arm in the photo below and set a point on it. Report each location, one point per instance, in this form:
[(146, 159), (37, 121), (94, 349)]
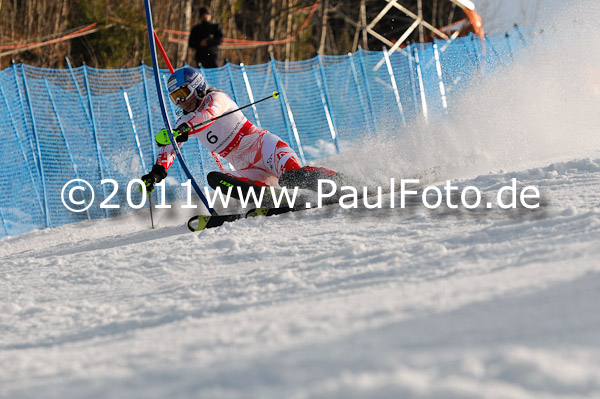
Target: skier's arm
[(165, 157)]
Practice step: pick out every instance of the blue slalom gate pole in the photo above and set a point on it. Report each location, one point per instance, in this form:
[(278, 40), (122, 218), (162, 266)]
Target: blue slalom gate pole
[(163, 108)]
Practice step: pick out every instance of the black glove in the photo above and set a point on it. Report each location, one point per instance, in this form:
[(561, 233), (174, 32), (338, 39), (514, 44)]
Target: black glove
[(156, 175), (183, 130)]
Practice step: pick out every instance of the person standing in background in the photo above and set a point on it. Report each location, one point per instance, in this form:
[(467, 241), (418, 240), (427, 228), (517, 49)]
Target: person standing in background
[(205, 39)]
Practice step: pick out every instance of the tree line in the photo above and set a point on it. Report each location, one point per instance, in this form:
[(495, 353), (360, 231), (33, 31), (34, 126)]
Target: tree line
[(299, 28)]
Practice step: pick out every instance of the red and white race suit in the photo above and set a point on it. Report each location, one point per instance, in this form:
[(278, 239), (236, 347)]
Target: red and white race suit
[(256, 154)]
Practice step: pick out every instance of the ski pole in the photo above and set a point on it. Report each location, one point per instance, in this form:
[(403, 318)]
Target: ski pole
[(150, 203), (274, 95)]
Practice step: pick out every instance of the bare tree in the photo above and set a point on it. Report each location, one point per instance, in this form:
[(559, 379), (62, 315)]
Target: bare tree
[(287, 29)]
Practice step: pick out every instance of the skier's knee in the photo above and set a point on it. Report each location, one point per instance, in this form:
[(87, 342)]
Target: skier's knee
[(293, 163)]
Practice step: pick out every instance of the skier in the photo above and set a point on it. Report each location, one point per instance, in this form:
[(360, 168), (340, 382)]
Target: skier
[(259, 157)]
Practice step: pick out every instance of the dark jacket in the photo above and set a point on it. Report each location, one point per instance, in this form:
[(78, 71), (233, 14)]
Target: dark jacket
[(207, 55)]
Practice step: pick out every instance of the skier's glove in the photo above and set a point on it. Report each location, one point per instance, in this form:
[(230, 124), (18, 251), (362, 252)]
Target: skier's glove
[(180, 134), (156, 175)]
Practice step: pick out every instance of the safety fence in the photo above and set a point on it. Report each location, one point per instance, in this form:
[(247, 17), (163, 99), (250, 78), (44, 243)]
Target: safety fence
[(91, 124)]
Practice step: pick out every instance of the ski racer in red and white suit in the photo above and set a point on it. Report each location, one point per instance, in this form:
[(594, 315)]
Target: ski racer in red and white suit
[(255, 153), (259, 157)]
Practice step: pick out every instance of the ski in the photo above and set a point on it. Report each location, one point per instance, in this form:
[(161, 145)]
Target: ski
[(203, 222), (268, 211)]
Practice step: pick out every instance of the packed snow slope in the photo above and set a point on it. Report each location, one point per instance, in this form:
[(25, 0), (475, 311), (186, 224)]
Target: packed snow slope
[(325, 303), (334, 303)]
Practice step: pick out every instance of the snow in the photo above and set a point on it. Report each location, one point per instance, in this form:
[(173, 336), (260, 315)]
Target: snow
[(321, 303), (387, 303)]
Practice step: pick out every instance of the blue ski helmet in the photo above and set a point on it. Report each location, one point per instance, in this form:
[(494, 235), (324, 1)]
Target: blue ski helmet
[(184, 82)]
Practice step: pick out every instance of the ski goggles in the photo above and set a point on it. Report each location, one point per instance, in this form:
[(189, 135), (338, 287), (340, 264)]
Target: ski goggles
[(181, 94)]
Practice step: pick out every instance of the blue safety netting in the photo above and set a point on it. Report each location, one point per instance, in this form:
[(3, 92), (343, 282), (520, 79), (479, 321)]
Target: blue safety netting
[(95, 124)]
